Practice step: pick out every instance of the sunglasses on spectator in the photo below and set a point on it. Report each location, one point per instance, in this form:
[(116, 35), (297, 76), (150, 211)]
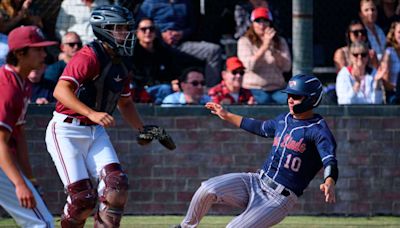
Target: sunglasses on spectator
[(295, 97), (364, 54), (264, 21), (359, 32), (196, 83), (236, 72), (73, 44), (150, 28)]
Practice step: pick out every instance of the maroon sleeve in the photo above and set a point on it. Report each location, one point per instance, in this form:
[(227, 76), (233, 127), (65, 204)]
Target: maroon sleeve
[(8, 111), (82, 67)]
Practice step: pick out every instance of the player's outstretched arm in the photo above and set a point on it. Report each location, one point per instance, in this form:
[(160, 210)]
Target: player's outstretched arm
[(218, 110), (328, 188)]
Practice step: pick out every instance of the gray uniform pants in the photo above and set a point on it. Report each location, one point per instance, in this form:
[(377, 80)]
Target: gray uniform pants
[(263, 206)]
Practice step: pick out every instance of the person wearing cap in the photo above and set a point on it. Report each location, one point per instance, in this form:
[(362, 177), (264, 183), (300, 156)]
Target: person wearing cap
[(266, 57), (242, 14), (229, 90), (18, 195)]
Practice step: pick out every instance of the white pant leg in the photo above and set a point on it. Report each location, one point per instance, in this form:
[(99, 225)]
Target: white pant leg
[(101, 153), (38, 217), (68, 145)]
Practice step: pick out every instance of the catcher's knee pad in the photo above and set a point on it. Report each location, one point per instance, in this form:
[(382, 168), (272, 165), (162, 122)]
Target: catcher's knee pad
[(114, 197), (82, 200)]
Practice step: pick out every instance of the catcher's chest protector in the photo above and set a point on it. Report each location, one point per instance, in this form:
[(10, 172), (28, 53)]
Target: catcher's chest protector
[(102, 93)]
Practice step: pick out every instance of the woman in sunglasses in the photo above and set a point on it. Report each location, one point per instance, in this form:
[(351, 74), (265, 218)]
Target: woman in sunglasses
[(266, 56), (391, 62), (156, 65), (358, 83), (154, 69), (355, 32)]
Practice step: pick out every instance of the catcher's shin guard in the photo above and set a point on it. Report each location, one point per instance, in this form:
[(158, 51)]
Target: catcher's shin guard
[(81, 201), (114, 197)]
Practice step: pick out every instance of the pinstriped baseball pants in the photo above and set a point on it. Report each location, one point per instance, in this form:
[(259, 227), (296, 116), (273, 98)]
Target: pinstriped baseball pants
[(263, 206)]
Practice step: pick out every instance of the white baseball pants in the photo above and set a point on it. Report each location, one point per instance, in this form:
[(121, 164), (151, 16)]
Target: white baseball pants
[(78, 152)]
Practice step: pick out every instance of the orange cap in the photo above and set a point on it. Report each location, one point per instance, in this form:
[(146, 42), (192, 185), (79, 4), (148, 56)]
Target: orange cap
[(233, 63), (260, 12)]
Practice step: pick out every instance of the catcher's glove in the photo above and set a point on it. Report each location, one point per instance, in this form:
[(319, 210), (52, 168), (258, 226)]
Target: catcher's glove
[(151, 132)]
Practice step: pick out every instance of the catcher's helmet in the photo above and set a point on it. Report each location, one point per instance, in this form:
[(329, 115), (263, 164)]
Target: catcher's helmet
[(308, 86), (107, 21)]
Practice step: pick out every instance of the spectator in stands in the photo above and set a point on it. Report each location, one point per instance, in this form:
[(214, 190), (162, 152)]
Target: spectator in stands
[(355, 32), (42, 91), (397, 95), (391, 62), (177, 24), (192, 84), (388, 12), (3, 48), (266, 56), (156, 65), (368, 15), (71, 43), (230, 90), (14, 13), (74, 16), (242, 14), (129, 4), (358, 83)]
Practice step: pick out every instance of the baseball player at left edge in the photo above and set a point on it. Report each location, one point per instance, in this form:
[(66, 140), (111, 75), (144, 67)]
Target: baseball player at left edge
[(93, 84), (17, 193)]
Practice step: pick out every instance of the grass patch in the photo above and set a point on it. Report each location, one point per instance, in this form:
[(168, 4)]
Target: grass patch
[(221, 221)]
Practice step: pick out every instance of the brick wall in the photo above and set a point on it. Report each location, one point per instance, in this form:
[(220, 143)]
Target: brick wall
[(162, 182)]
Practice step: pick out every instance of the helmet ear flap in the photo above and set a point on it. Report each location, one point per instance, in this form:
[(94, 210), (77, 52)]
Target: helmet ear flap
[(304, 106), (310, 102)]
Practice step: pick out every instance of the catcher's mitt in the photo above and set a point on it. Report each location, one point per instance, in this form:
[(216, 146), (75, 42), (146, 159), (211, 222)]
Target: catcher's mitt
[(151, 132)]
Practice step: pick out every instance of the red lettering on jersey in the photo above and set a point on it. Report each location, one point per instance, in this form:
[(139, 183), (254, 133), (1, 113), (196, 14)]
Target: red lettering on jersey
[(276, 141), (291, 144)]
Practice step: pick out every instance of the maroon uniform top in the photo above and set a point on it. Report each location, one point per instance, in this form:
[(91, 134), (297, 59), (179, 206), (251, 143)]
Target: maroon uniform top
[(83, 66), (221, 95), (14, 98)]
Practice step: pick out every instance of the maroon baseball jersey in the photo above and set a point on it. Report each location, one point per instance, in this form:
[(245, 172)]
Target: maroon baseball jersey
[(15, 94), (83, 66)]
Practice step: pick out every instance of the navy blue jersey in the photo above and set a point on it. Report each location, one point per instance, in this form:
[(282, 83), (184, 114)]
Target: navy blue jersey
[(300, 149)]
